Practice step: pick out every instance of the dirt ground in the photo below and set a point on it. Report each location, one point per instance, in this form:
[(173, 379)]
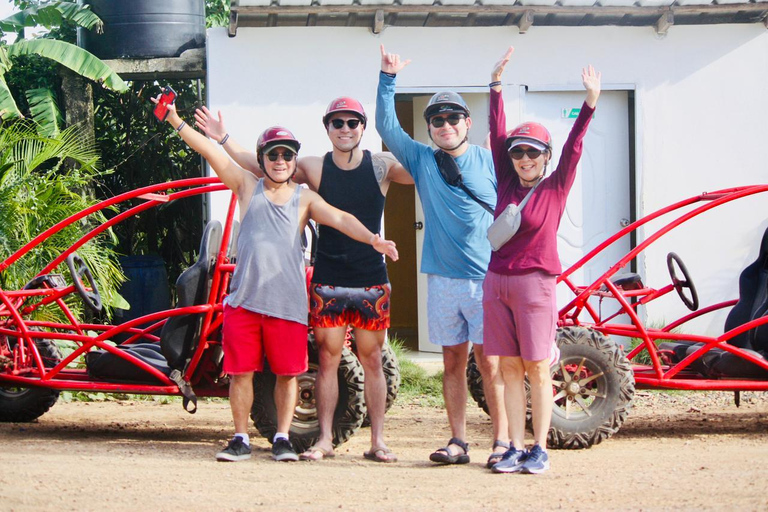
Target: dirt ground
[(675, 452)]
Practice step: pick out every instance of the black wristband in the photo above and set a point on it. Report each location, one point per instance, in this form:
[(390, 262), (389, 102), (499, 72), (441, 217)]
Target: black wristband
[(223, 140), (494, 84), (390, 75), (182, 125)]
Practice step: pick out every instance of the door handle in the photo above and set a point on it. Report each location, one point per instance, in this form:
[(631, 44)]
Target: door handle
[(418, 225)]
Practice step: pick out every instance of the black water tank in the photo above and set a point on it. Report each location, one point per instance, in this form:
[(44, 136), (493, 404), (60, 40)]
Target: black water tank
[(140, 29)]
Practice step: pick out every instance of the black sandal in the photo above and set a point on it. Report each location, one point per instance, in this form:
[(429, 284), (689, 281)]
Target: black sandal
[(496, 457), (444, 456)]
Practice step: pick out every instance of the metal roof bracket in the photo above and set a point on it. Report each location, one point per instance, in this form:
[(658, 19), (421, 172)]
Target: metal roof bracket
[(525, 21), (378, 21), (232, 23), (665, 21)]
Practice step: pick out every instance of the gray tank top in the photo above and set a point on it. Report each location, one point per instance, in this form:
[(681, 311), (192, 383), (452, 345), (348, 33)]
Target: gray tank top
[(269, 277)]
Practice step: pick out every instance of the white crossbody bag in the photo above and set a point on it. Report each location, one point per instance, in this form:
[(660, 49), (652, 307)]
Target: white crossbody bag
[(507, 224)]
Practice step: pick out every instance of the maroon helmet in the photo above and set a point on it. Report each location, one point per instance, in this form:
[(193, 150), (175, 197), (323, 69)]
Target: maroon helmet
[(534, 133), (277, 136), (345, 104)]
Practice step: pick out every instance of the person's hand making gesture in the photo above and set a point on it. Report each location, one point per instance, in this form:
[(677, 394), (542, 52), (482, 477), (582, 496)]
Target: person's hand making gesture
[(391, 63), (591, 80), (498, 68)]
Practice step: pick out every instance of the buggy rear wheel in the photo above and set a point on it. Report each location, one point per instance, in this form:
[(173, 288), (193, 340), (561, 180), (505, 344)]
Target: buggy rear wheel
[(18, 404), (305, 428), (593, 388), (475, 382)]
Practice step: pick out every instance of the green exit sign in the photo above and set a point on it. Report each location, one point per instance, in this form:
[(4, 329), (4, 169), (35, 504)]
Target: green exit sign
[(571, 113)]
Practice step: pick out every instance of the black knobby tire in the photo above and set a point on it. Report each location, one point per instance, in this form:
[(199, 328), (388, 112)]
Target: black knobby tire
[(27, 404), (305, 429), (475, 382), (392, 375), (593, 387)]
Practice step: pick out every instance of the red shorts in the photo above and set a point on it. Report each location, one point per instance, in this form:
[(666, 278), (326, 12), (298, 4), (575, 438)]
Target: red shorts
[(247, 337), (336, 306)]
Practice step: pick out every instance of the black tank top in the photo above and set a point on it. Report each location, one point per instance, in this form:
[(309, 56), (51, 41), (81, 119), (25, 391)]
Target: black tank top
[(342, 261)]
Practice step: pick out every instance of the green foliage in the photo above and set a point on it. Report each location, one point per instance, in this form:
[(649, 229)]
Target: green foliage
[(50, 15), (78, 60), (643, 357), (416, 385), (216, 13), (142, 151), (44, 180), (42, 105), (61, 18)]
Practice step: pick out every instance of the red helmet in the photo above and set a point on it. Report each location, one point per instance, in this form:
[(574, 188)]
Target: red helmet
[(531, 131), (345, 104), (277, 136)]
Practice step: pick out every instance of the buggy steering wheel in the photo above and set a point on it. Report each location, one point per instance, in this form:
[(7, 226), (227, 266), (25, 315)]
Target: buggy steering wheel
[(78, 269), (693, 302)]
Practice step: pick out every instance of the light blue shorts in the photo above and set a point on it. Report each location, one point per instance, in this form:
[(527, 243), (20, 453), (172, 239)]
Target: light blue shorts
[(454, 310)]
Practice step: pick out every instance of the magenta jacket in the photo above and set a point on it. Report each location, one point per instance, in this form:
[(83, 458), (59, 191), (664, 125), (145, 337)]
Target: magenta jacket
[(534, 246)]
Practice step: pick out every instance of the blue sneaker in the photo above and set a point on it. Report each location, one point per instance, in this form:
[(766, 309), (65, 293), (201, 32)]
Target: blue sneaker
[(511, 462), (536, 462)]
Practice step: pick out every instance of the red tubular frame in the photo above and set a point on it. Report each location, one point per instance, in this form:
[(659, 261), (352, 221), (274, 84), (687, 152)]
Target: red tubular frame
[(28, 369), (659, 375)]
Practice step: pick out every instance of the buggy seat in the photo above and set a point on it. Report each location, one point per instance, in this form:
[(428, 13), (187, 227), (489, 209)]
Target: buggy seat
[(179, 334)]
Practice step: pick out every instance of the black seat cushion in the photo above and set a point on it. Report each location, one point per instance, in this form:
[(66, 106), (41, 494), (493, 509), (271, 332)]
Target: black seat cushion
[(104, 365), (753, 302)]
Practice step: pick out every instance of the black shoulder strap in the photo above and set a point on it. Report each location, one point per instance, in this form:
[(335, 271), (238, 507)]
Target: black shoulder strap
[(451, 174)]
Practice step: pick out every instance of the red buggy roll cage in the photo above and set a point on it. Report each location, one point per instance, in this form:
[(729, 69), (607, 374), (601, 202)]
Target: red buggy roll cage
[(27, 368), (660, 373)]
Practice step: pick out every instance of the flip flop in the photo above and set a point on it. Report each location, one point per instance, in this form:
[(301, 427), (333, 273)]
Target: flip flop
[(310, 454), (384, 455)]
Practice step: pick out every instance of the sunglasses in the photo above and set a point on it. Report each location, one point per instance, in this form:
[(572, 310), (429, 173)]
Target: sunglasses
[(517, 153), (339, 123), (453, 120), (287, 156)]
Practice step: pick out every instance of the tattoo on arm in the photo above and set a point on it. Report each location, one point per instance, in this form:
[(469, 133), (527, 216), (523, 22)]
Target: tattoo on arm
[(380, 168)]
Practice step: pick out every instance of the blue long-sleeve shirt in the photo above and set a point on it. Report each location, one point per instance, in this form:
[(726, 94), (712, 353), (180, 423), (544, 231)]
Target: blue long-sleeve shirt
[(455, 243)]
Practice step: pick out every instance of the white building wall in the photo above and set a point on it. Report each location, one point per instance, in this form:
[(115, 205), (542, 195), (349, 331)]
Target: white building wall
[(701, 104)]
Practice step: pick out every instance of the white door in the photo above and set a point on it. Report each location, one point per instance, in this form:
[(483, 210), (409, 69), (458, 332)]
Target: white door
[(598, 203), (478, 107)]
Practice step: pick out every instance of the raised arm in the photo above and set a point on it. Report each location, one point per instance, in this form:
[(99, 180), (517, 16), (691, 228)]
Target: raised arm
[(232, 175), (387, 124), (215, 129), (323, 213), (498, 120), (574, 144)]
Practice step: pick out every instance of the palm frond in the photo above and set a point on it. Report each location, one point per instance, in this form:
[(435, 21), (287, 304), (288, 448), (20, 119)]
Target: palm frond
[(8, 107), (52, 15), (44, 110), (78, 60)]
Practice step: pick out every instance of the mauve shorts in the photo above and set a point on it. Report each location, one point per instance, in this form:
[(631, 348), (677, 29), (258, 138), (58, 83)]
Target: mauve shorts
[(519, 315)]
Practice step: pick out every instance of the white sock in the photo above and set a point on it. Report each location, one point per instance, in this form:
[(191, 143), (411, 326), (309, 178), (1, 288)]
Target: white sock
[(244, 437), (280, 435)]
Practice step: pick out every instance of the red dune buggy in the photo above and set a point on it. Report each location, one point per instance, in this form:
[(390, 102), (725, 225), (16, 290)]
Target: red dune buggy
[(171, 352), (595, 380)]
